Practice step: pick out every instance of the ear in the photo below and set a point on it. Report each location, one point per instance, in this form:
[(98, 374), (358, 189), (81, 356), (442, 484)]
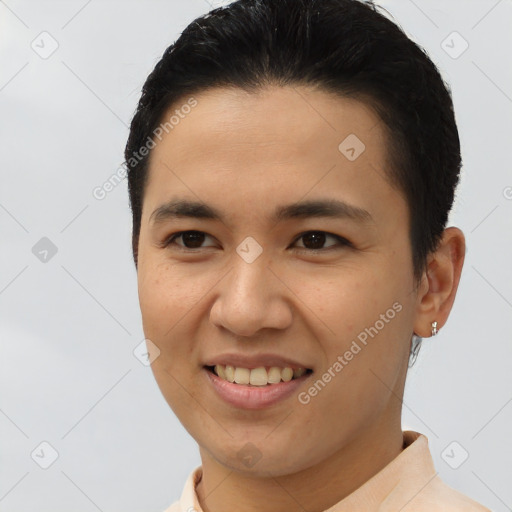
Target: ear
[(440, 282)]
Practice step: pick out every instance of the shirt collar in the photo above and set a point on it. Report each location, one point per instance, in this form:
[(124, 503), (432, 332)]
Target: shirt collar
[(391, 488)]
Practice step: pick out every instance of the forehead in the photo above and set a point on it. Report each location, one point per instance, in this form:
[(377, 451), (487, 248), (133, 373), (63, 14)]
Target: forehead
[(281, 143), (273, 117)]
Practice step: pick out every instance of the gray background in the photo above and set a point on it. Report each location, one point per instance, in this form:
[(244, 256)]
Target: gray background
[(69, 325)]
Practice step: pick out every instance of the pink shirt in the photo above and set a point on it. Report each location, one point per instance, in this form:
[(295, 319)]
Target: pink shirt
[(409, 483)]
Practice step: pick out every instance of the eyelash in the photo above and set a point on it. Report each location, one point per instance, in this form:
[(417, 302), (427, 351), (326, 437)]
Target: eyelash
[(342, 242)]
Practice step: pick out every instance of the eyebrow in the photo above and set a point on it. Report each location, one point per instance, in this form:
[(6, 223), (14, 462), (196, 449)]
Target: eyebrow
[(333, 208)]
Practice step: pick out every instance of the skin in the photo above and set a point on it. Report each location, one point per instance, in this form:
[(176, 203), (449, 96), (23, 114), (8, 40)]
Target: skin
[(246, 153)]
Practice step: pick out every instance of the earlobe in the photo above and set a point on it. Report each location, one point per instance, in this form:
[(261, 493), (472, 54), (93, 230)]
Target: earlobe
[(443, 274)]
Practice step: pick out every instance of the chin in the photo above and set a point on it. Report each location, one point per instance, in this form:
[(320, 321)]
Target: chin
[(273, 460)]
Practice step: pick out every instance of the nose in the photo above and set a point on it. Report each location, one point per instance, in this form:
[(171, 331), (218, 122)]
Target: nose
[(252, 297)]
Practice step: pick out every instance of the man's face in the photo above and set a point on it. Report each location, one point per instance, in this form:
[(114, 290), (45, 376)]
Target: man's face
[(256, 290)]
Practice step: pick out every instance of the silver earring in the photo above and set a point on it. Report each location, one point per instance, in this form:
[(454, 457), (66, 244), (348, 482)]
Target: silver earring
[(434, 328), (415, 348)]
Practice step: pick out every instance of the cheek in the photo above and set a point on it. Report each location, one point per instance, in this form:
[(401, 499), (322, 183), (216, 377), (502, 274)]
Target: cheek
[(164, 300), (346, 300), (368, 319), (173, 300), (165, 295)]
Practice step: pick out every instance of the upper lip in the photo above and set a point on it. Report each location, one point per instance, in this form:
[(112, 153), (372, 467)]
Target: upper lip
[(255, 361)]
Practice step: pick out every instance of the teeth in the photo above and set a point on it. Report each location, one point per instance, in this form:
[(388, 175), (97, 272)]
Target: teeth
[(242, 375), (230, 373), (287, 374), (299, 372), (258, 376), (274, 375), (219, 370)]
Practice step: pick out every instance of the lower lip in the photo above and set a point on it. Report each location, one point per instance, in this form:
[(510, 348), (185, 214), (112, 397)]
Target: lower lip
[(254, 397)]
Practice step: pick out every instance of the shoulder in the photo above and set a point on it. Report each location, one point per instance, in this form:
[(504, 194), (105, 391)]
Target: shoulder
[(421, 488), (438, 496)]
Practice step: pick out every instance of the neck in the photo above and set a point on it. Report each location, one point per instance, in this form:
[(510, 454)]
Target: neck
[(314, 489)]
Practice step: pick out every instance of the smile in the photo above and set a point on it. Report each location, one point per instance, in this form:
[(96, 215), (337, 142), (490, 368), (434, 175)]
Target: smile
[(255, 388), (260, 376)]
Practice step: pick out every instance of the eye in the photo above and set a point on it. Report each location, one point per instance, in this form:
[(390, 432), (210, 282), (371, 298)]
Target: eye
[(190, 239), (314, 241)]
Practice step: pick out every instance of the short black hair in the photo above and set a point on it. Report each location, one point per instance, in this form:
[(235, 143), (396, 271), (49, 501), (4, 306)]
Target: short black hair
[(346, 47)]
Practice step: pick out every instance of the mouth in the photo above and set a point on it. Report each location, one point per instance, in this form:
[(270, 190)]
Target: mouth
[(255, 388), (257, 377)]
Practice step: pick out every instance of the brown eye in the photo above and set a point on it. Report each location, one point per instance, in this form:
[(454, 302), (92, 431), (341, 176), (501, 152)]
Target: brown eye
[(190, 239), (311, 241), (315, 240)]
